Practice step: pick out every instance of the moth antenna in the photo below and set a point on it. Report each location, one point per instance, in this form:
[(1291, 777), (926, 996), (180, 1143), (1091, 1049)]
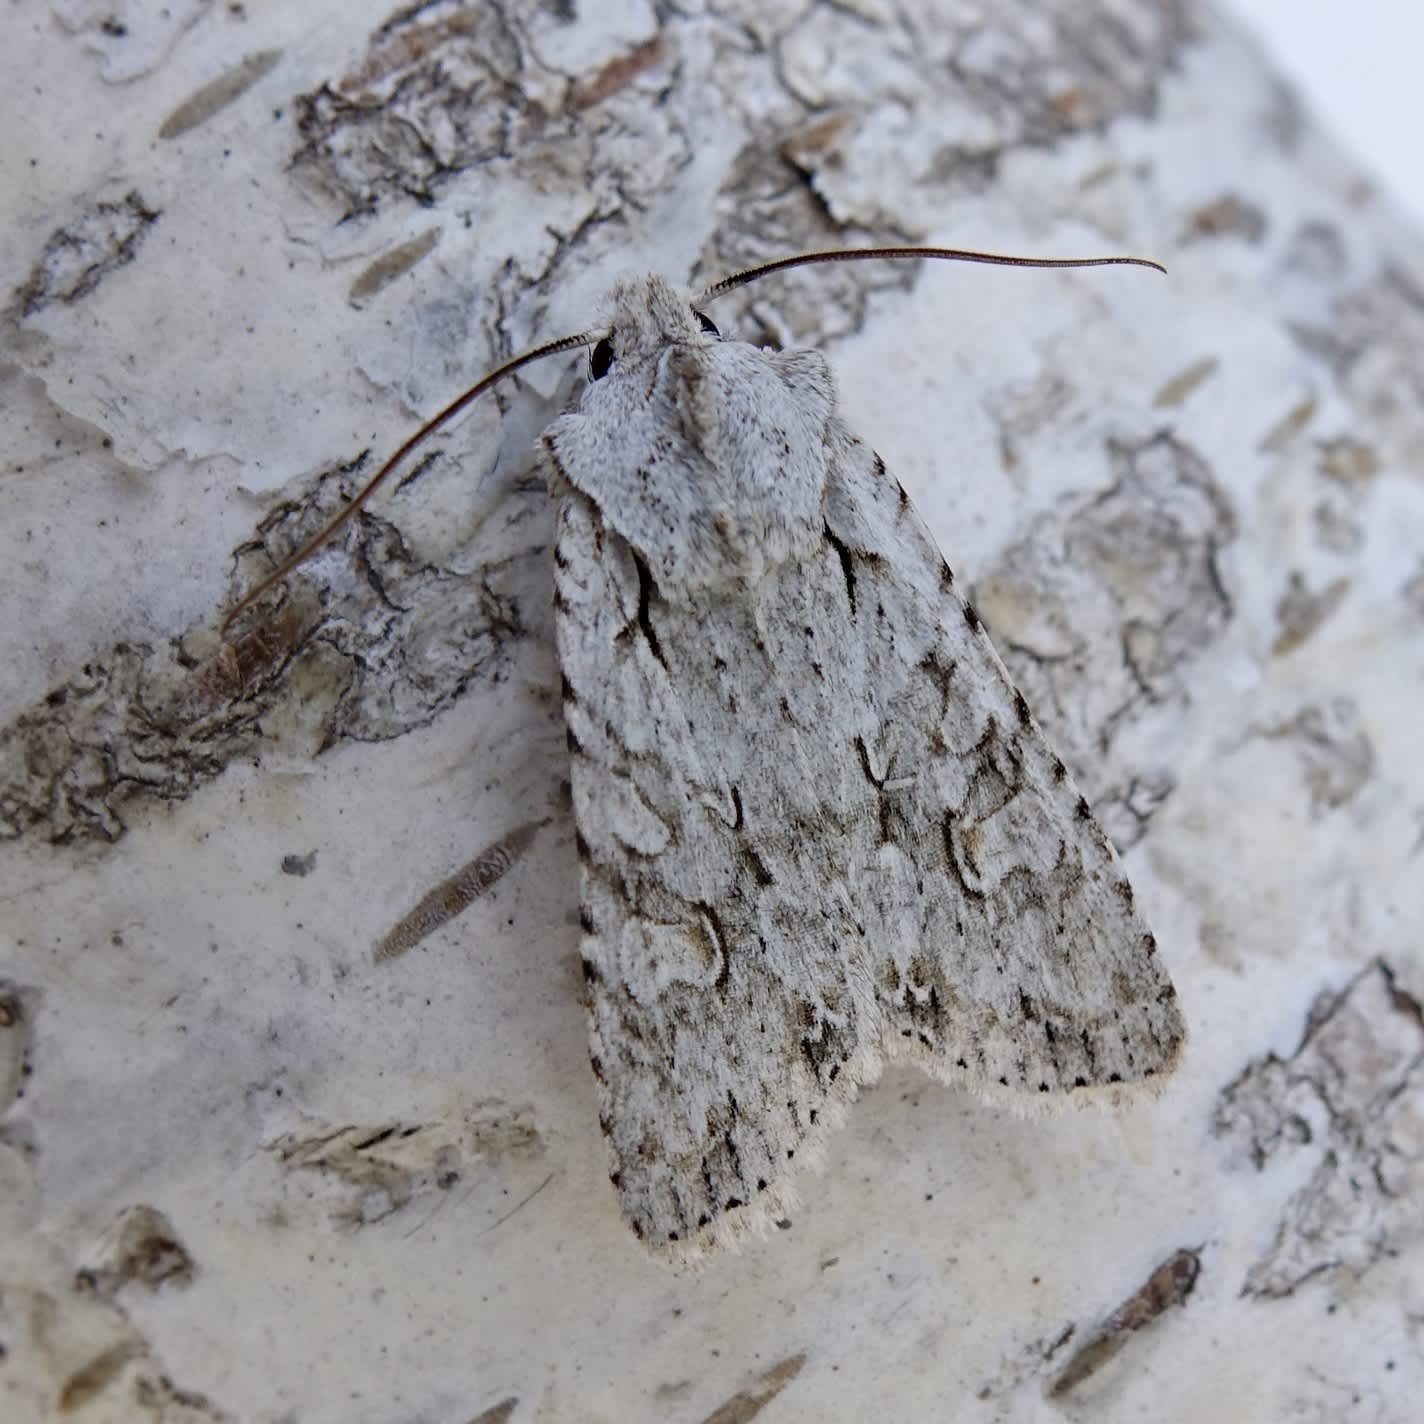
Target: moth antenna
[(946, 254), (569, 343), (293, 561)]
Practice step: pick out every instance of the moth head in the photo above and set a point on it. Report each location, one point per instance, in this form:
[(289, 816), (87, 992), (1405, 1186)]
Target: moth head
[(647, 318), (646, 315)]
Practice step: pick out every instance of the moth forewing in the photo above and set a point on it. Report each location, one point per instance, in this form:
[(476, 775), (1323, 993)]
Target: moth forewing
[(818, 826)]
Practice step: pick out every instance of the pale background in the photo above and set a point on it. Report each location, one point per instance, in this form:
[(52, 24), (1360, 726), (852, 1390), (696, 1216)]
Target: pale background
[(249, 1173), (1358, 67)]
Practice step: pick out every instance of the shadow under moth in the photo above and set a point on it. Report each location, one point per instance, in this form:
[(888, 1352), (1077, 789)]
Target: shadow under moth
[(818, 827)]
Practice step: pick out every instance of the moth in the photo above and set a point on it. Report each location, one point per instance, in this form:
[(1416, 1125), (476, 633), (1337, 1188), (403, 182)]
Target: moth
[(818, 827)]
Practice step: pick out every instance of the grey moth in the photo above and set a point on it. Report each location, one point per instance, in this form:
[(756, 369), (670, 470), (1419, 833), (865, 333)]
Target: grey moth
[(819, 830)]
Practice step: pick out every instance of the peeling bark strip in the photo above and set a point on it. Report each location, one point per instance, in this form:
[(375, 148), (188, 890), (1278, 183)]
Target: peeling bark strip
[(746, 1404), (619, 73), (217, 95), (461, 890), (96, 1375), (239, 667), (369, 1171), (395, 263), (1170, 1284), (499, 1413), (1352, 1095), (140, 1247)]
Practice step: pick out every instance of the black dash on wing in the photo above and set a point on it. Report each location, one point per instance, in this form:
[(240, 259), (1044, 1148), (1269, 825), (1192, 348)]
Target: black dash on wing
[(971, 617), (865, 761), (1021, 707), (646, 593), (847, 566), (717, 933), (887, 820), (951, 860), (552, 455), (1082, 810)]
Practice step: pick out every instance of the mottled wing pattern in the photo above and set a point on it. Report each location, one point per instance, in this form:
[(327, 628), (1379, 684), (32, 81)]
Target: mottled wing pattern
[(1007, 952), (819, 828)]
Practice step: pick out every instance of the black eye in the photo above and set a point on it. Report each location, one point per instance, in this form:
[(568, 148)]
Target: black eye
[(600, 359), (707, 324)]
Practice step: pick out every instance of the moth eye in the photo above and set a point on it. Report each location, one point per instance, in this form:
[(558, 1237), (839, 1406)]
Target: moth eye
[(707, 324), (600, 359)]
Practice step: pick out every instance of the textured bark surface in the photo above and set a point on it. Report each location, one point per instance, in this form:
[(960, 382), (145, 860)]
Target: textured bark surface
[(249, 1168)]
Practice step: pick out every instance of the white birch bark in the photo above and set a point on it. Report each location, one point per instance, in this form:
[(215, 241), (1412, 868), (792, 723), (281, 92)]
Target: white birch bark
[(252, 1169)]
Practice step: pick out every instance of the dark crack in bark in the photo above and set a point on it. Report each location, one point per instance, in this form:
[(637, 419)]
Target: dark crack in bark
[(1337, 756), (1352, 1095), (1142, 556), (79, 256)]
